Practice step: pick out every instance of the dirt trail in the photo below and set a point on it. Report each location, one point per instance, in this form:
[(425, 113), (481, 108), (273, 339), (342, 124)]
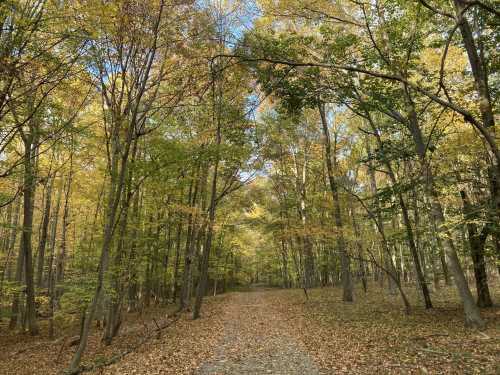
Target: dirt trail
[(256, 341), (277, 332)]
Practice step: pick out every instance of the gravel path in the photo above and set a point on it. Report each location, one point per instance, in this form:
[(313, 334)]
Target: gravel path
[(256, 341)]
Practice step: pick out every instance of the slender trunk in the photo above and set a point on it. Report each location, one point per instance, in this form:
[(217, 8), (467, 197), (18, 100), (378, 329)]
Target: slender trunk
[(307, 254), (115, 303), (14, 311), (406, 219), (118, 170), (202, 282), (441, 253), (359, 247), (166, 259), (396, 280), (175, 281), (218, 251), (148, 270), (435, 273), (61, 257), (476, 244), (113, 320), (5, 235), (472, 314), (10, 244), (296, 264), (217, 96), (132, 269), (418, 238), (52, 299), (477, 64), (44, 233), (30, 144), (190, 239), (53, 235), (13, 238), (341, 245), (284, 259)]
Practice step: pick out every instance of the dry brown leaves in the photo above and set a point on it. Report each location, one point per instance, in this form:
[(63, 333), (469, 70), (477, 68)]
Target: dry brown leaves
[(369, 336), (180, 348), (372, 335)]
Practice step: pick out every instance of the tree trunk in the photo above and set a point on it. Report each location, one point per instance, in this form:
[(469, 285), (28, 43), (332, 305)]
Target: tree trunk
[(175, 277), (61, 257), (477, 65), (476, 243), (118, 170), (406, 218), (115, 303), (341, 245), (14, 311), (359, 246), (44, 233), (10, 244), (307, 254), (166, 258), (132, 269), (472, 314), (190, 239), (13, 237), (53, 235), (284, 259), (30, 145), (217, 96), (202, 283)]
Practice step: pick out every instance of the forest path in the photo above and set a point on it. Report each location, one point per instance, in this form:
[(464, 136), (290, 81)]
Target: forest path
[(256, 340)]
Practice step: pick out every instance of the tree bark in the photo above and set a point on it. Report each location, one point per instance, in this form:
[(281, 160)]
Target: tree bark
[(341, 245), (359, 247), (217, 97), (13, 237), (175, 280), (202, 283), (14, 311), (308, 261), (476, 244), (30, 145), (11, 234), (190, 239), (44, 232), (472, 314), (118, 170), (406, 217)]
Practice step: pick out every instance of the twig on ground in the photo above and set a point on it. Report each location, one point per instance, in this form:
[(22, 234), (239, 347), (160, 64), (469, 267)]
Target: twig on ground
[(116, 358)]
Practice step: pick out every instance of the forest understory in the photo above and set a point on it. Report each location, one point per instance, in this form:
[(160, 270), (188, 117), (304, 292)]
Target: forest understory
[(278, 331)]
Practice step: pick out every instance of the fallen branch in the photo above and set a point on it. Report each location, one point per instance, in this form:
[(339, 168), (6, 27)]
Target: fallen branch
[(72, 342), (429, 336), (36, 346), (453, 354), (440, 352), (116, 358)]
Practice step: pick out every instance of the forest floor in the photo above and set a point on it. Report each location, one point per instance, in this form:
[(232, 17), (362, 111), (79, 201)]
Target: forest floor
[(272, 331)]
